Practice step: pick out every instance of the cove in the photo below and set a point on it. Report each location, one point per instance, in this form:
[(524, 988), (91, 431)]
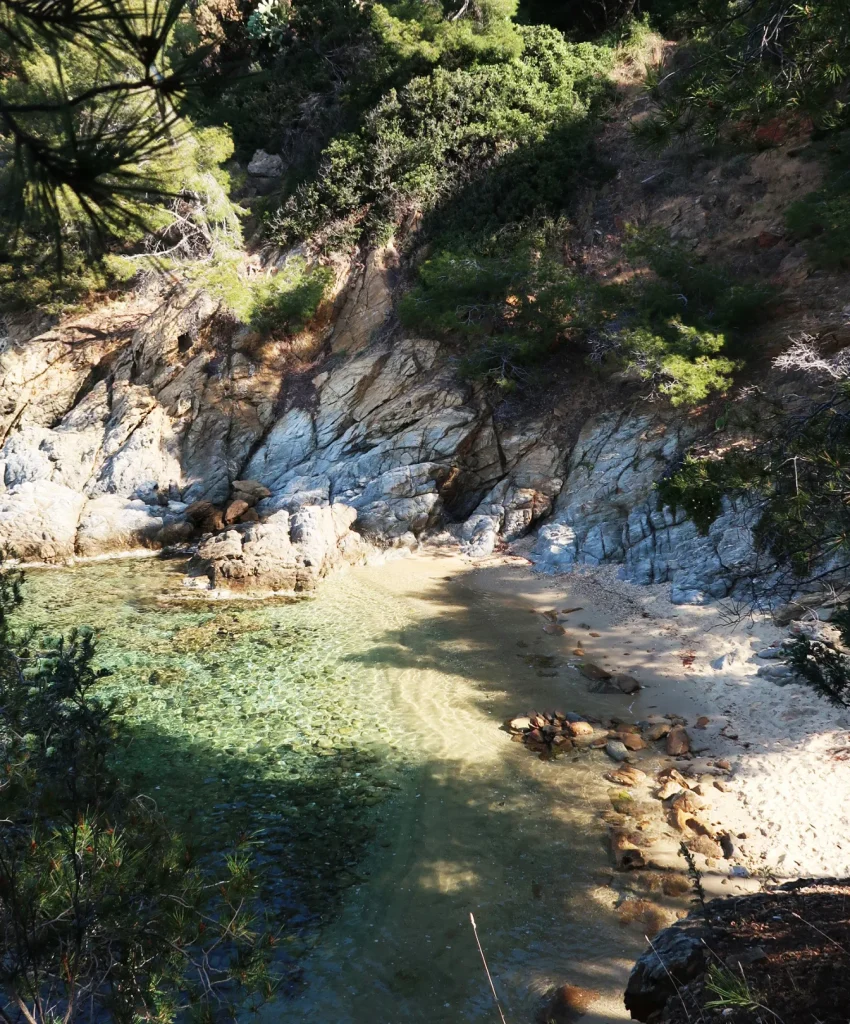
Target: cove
[(356, 737)]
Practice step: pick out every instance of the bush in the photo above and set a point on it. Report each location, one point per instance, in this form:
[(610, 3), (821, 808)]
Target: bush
[(510, 306), (749, 63), (822, 218), (823, 664), (425, 141), (794, 481), (681, 362), (290, 299), (103, 913)]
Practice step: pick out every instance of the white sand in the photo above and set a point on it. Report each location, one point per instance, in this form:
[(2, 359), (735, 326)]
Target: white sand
[(790, 793)]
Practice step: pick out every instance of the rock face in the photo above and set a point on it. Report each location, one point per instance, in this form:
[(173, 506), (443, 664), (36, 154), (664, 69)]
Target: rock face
[(117, 423), (608, 513), (115, 426)]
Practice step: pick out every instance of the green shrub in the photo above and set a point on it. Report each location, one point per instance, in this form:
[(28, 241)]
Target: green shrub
[(682, 362), (822, 218), (289, 300), (430, 139), (747, 63), (823, 664), (104, 912), (509, 306)]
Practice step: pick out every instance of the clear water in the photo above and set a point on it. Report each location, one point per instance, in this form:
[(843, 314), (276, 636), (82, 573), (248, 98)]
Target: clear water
[(356, 734)]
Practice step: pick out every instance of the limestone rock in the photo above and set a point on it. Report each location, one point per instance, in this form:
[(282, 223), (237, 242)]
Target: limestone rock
[(284, 554)]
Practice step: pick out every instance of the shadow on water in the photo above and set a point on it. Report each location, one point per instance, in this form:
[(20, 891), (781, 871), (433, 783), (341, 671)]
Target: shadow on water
[(357, 737)]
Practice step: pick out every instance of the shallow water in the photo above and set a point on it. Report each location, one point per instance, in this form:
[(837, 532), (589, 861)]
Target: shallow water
[(357, 734)]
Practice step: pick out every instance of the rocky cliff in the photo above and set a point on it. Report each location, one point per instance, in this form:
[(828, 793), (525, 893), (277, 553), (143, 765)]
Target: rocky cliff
[(114, 423)]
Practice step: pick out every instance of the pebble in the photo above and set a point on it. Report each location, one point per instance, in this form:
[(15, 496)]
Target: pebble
[(617, 750), (626, 776)]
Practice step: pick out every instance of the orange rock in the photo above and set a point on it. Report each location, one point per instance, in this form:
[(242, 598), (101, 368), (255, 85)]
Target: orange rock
[(678, 741)]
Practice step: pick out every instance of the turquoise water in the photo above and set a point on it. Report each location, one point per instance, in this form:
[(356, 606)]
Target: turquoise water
[(356, 736), (246, 717)]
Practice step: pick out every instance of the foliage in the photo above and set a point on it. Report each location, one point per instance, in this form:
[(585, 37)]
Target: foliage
[(424, 142), (682, 362), (750, 62), (689, 320), (795, 482), (289, 299), (822, 218), (103, 912), (824, 664), (269, 23), (99, 156), (728, 990), (509, 304)]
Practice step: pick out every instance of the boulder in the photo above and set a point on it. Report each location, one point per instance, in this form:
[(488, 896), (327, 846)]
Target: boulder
[(265, 165), (284, 554), (250, 491), (676, 955)]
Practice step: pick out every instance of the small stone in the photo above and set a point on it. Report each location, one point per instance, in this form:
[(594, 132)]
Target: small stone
[(707, 847), (702, 722), (626, 683), (626, 776), (594, 672), (580, 728), (658, 731), (578, 652), (593, 633), (631, 741), (678, 741), (687, 802), (627, 856), (234, 510), (520, 724), (554, 629), (670, 788), (723, 763), (617, 750), (567, 1003)]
